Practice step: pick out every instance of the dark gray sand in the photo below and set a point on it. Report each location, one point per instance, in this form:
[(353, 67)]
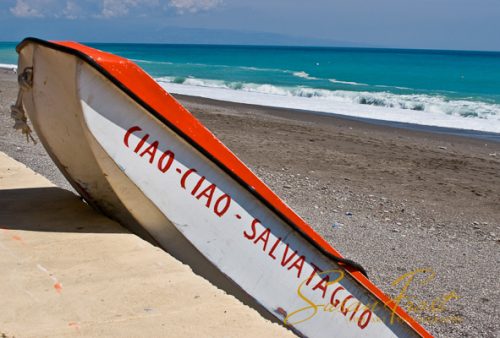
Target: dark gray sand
[(398, 201)]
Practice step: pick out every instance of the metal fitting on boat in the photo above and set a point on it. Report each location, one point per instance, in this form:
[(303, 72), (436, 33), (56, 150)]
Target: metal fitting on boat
[(25, 79)]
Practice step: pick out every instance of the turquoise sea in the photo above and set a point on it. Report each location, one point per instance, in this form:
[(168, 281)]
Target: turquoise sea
[(456, 89)]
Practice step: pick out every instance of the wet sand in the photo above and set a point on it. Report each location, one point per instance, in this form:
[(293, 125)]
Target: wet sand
[(397, 200)]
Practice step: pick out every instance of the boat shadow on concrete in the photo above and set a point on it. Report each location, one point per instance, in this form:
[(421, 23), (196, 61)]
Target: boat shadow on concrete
[(51, 209)]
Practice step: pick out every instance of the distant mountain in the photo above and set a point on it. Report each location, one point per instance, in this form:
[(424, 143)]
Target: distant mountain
[(232, 37), (92, 30)]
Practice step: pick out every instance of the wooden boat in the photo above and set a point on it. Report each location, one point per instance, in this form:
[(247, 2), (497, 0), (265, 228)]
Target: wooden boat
[(137, 155)]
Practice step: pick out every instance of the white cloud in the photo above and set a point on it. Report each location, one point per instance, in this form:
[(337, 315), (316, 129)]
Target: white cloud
[(116, 8), (31, 8), (121, 8), (73, 9), (193, 6), (46, 8)]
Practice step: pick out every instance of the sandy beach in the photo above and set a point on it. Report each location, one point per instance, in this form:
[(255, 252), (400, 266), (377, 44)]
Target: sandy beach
[(414, 207)]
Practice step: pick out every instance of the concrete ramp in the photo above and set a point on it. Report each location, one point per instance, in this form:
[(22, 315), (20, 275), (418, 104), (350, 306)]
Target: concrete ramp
[(67, 270)]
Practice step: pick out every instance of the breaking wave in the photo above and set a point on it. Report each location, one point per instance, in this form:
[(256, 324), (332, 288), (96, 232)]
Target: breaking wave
[(435, 104), (8, 66), (347, 82), (304, 75), (152, 62), (215, 66)]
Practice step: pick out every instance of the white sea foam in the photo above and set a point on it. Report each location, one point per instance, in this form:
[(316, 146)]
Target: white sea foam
[(260, 69), (417, 109), (8, 66), (304, 75), (257, 69), (152, 62), (397, 87), (347, 82)]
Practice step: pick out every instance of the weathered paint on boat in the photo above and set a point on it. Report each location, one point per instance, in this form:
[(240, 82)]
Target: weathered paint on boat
[(135, 153)]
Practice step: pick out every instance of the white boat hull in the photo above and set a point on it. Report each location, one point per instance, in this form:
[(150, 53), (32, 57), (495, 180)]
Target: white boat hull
[(144, 174)]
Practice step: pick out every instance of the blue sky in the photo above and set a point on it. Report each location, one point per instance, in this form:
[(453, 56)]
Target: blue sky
[(434, 24)]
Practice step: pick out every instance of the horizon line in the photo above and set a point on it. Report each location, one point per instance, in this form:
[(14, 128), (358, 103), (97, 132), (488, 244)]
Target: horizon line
[(280, 45)]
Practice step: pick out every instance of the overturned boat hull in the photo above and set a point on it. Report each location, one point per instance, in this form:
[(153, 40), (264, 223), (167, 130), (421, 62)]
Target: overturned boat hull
[(137, 155)]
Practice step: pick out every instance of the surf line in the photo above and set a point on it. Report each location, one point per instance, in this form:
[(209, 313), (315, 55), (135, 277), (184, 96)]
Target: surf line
[(293, 261), (215, 200)]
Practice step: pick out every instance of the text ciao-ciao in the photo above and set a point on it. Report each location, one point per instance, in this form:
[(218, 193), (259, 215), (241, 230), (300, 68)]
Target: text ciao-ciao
[(198, 186)]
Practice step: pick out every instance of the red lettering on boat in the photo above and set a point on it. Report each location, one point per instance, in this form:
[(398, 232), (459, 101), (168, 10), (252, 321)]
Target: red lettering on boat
[(313, 273), (254, 231), (128, 133), (298, 264), (151, 150), (275, 245), (170, 158), (208, 192), (334, 301), (284, 259), (198, 185), (362, 324), (323, 285), (227, 202), (343, 309), (141, 143), (354, 312), (185, 176), (264, 236)]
